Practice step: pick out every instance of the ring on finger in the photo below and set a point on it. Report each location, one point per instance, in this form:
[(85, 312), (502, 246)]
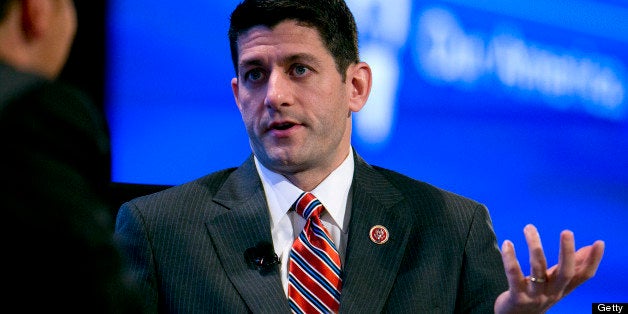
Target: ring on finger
[(535, 279)]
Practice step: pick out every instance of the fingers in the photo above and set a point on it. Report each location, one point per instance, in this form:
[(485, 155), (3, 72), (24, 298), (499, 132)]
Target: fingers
[(514, 274), (536, 296), (538, 263), (595, 257), (566, 268), (587, 261)]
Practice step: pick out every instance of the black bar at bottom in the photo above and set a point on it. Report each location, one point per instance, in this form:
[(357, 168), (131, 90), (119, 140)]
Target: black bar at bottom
[(609, 307)]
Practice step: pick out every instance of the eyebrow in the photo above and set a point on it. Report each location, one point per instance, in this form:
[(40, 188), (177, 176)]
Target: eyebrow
[(303, 57), (252, 62), (299, 57)]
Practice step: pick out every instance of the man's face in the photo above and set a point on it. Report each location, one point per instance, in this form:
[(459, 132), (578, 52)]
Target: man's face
[(292, 99)]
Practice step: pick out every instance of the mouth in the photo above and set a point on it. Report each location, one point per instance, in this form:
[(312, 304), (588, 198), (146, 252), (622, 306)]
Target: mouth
[(283, 129), (281, 126)]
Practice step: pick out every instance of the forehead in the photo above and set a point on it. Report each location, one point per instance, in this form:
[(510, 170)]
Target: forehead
[(286, 38)]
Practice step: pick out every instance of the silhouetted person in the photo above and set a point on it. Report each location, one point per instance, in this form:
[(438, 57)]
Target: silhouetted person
[(57, 230)]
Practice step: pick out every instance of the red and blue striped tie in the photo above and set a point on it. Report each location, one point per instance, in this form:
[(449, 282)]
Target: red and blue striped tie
[(314, 269)]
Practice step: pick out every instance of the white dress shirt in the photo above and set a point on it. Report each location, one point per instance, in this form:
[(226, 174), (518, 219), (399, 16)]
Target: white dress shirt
[(286, 225)]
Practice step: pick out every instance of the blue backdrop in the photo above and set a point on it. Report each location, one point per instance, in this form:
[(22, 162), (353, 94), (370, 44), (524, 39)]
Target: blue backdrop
[(521, 105)]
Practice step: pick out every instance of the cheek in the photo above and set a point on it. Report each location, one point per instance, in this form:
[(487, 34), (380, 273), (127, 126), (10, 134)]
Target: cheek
[(246, 115), (332, 121), (250, 115), (243, 102), (337, 109)]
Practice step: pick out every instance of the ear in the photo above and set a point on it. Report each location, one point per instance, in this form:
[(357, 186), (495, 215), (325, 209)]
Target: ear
[(236, 95), (35, 17), (359, 81)]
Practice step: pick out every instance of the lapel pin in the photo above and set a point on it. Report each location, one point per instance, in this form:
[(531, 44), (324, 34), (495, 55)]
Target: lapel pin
[(379, 234)]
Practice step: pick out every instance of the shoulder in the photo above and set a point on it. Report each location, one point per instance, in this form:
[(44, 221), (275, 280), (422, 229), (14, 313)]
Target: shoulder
[(190, 201), (27, 92), (15, 84), (66, 103), (59, 120), (424, 203), (32, 101), (192, 191), (422, 191)]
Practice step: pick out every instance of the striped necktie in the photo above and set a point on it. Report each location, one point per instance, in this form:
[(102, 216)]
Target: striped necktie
[(314, 268)]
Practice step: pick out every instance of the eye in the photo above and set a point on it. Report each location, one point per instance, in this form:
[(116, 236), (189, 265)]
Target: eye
[(254, 75), (300, 70)]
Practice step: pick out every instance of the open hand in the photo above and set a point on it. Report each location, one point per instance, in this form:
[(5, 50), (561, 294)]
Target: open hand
[(544, 287)]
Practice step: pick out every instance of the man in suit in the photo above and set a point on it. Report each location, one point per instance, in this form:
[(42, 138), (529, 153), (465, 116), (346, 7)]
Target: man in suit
[(224, 243), (58, 248)]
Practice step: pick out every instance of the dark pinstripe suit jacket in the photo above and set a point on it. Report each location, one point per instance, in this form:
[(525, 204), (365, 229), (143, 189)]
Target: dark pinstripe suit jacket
[(186, 245)]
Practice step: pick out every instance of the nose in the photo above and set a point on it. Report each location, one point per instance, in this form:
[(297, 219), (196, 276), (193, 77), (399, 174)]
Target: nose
[(277, 90)]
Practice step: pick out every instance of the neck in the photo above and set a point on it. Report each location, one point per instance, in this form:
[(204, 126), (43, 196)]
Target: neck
[(308, 179)]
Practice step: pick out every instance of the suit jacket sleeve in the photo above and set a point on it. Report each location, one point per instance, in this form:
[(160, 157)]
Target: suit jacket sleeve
[(133, 239), (482, 273)]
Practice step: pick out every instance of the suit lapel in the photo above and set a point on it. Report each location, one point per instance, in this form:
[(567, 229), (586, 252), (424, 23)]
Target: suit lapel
[(243, 225), (371, 268)]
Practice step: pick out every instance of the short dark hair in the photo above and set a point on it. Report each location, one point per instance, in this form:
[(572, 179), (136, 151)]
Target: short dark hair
[(332, 18)]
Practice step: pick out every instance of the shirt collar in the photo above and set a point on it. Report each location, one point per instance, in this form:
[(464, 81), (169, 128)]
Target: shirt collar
[(332, 192)]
